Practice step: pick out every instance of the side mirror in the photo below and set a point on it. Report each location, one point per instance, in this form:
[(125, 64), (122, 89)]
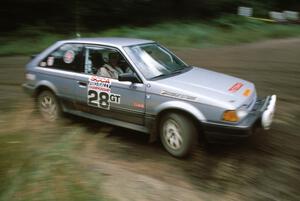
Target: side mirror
[(131, 77)]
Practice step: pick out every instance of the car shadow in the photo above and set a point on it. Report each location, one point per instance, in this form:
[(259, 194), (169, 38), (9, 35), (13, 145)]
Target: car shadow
[(138, 138), (135, 143)]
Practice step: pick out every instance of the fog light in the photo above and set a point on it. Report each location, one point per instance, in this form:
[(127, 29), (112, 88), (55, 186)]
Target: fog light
[(241, 114)]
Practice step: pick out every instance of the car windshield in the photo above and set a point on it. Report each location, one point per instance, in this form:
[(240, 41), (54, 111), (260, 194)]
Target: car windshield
[(154, 60)]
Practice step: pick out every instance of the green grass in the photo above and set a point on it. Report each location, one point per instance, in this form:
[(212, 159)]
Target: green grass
[(229, 30), (39, 162)]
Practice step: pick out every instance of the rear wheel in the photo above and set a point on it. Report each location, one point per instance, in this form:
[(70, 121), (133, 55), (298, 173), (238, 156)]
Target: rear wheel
[(48, 106), (178, 134)]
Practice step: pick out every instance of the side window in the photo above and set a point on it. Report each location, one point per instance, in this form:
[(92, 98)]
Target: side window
[(67, 57), (105, 62)]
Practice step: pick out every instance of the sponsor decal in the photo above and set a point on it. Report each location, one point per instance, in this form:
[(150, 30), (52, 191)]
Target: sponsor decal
[(177, 95), (50, 61), (43, 64), (69, 56), (247, 92), (99, 93), (235, 87), (138, 105)]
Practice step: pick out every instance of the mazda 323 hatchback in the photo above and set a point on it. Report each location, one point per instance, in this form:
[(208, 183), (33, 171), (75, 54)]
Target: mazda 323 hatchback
[(141, 85)]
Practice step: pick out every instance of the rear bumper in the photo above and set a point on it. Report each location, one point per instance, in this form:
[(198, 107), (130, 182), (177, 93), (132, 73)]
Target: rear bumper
[(260, 116), (28, 89)]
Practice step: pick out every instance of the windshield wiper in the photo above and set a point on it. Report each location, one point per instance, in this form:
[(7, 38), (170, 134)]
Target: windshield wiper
[(159, 76), (172, 73), (178, 71)]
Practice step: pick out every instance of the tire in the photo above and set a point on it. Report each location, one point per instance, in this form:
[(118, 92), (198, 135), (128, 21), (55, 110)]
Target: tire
[(48, 106), (178, 134)]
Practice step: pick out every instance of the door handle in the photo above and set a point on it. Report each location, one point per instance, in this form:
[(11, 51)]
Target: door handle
[(82, 84)]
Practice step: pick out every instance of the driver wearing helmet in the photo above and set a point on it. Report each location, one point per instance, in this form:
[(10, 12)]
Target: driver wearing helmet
[(111, 69)]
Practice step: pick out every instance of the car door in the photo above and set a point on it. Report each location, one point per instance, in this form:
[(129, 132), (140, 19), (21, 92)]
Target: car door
[(130, 101), (107, 97)]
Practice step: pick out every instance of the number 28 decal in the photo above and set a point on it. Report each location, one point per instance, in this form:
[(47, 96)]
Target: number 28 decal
[(102, 99)]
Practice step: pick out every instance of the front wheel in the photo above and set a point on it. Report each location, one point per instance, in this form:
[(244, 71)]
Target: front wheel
[(178, 134), (48, 106)]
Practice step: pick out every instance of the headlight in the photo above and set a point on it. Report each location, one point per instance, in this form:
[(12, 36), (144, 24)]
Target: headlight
[(234, 115)]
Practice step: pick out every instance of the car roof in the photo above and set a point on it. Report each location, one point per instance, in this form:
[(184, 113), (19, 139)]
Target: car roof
[(110, 41)]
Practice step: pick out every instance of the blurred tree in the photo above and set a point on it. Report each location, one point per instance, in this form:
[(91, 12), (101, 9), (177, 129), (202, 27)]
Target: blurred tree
[(79, 15)]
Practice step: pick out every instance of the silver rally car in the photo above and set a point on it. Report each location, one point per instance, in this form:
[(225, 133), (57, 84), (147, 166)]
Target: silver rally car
[(141, 85)]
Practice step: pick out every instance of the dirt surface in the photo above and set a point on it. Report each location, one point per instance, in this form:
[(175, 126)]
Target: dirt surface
[(264, 167)]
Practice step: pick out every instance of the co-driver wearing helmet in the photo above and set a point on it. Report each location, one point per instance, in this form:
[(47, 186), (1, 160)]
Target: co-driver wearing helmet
[(111, 69)]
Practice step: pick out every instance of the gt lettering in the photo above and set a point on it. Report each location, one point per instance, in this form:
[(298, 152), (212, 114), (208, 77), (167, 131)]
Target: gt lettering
[(115, 98)]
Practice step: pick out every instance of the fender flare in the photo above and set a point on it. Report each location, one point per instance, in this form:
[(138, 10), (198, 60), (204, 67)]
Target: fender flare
[(175, 105), (45, 83), (181, 106)]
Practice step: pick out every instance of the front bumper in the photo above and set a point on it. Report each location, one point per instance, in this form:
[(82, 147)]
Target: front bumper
[(260, 116)]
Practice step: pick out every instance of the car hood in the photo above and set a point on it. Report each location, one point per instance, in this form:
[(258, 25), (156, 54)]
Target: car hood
[(209, 87)]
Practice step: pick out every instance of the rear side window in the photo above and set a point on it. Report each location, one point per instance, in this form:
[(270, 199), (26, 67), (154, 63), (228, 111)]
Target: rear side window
[(67, 57)]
